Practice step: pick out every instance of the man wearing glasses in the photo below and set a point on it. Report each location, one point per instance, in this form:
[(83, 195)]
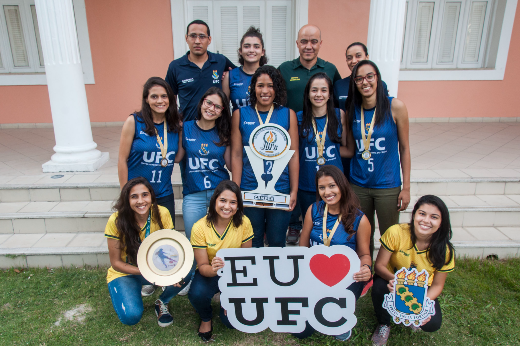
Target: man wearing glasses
[(193, 74), (296, 73)]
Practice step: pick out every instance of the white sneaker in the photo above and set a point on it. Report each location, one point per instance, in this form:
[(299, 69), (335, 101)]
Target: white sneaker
[(147, 290), (185, 290)]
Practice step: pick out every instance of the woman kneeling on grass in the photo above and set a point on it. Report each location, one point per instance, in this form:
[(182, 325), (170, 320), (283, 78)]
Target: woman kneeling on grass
[(137, 215), (224, 227), (424, 243), (345, 224)]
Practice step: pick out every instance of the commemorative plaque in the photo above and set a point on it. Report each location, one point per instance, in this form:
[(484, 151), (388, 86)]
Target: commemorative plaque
[(269, 153), (165, 257)]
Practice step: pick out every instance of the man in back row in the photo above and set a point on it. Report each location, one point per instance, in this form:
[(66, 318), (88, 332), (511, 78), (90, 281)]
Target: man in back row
[(296, 74), (191, 75)]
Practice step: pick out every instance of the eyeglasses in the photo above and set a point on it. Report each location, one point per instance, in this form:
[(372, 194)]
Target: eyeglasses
[(202, 37), (209, 104), (370, 77)]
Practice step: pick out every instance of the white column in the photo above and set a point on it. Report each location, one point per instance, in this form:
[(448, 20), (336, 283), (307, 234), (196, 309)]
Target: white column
[(385, 39), (75, 149)]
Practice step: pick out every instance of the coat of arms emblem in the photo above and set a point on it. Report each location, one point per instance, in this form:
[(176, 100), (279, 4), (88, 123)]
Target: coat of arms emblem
[(408, 303)]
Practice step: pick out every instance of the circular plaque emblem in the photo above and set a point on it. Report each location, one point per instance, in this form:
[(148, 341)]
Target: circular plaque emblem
[(165, 257), (270, 141)]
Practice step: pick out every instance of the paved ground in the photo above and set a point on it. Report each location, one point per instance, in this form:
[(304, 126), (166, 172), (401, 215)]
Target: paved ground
[(439, 150)]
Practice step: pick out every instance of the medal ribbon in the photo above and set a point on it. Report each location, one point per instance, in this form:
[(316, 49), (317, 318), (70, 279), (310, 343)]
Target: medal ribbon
[(164, 148), (147, 226), (327, 240), (320, 141), (366, 138), (268, 115)]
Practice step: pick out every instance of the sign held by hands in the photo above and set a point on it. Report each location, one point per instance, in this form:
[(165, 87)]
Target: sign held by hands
[(281, 289)]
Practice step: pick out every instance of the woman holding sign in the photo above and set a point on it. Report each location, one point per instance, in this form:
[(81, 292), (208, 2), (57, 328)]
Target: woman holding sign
[(423, 244), (321, 128), (137, 215), (224, 227), (268, 95), (151, 141), (337, 220), (378, 140)]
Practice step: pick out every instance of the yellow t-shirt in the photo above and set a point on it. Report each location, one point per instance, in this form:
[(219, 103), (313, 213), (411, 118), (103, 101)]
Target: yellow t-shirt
[(206, 237), (397, 240), (111, 232)]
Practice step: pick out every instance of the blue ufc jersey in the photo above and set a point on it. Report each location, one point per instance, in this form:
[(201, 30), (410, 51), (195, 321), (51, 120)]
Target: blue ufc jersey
[(340, 236), (239, 87), (204, 159), (309, 152), (145, 157), (383, 169), (248, 122)]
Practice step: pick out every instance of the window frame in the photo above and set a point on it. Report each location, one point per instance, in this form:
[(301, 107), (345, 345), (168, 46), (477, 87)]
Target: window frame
[(36, 75), (468, 73)]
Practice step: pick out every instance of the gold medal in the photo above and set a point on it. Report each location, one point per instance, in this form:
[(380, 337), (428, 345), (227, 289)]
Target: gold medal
[(328, 239), (164, 148), (366, 137), (164, 162), (320, 141)]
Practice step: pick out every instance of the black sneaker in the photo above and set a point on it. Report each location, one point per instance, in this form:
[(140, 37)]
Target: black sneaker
[(293, 235), (164, 319)]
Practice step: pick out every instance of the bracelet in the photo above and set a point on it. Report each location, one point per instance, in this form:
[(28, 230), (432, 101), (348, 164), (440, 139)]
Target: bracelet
[(369, 267)]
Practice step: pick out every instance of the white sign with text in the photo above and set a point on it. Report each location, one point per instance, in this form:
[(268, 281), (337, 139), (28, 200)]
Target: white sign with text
[(282, 288)]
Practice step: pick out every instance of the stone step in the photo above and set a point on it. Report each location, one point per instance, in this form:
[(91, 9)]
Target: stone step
[(64, 192), (90, 248)]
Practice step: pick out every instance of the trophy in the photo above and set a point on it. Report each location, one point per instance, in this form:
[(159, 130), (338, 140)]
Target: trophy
[(269, 154)]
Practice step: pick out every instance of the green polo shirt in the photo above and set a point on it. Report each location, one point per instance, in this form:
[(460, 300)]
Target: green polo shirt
[(296, 77)]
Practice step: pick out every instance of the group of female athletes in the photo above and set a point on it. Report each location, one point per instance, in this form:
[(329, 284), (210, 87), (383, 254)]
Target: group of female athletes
[(372, 129)]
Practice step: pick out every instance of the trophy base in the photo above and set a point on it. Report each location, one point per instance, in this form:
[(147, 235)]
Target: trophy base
[(263, 200)]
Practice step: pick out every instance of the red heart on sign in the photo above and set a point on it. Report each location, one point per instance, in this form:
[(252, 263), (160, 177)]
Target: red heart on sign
[(331, 270)]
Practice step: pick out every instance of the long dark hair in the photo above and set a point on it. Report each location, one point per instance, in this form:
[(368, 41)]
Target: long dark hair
[(173, 117), (333, 123), (252, 32), (440, 241), (355, 99), (223, 123), (125, 221), (349, 203), (280, 93), (212, 213)]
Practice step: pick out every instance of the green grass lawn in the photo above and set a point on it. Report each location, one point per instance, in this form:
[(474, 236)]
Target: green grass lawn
[(480, 306)]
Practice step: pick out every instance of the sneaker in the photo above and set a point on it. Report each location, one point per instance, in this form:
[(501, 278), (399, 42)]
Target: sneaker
[(292, 236), (366, 288), (415, 328), (147, 290), (185, 290), (381, 334), (164, 319), (344, 336)]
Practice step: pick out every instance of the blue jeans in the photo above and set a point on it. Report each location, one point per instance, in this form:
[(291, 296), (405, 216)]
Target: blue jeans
[(195, 207), (125, 293), (201, 292), (355, 287), (273, 222), (169, 203), (306, 199)]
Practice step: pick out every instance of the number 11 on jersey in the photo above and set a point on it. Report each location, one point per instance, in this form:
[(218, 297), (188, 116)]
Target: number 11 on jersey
[(158, 177)]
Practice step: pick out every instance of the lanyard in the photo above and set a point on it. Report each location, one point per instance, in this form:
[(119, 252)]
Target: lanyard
[(147, 226), (164, 148), (268, 115), (366, 138), (320, 141), (327, 240)]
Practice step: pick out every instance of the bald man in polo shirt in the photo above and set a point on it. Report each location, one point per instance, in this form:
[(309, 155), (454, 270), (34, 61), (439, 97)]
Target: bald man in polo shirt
[(296, 73)]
